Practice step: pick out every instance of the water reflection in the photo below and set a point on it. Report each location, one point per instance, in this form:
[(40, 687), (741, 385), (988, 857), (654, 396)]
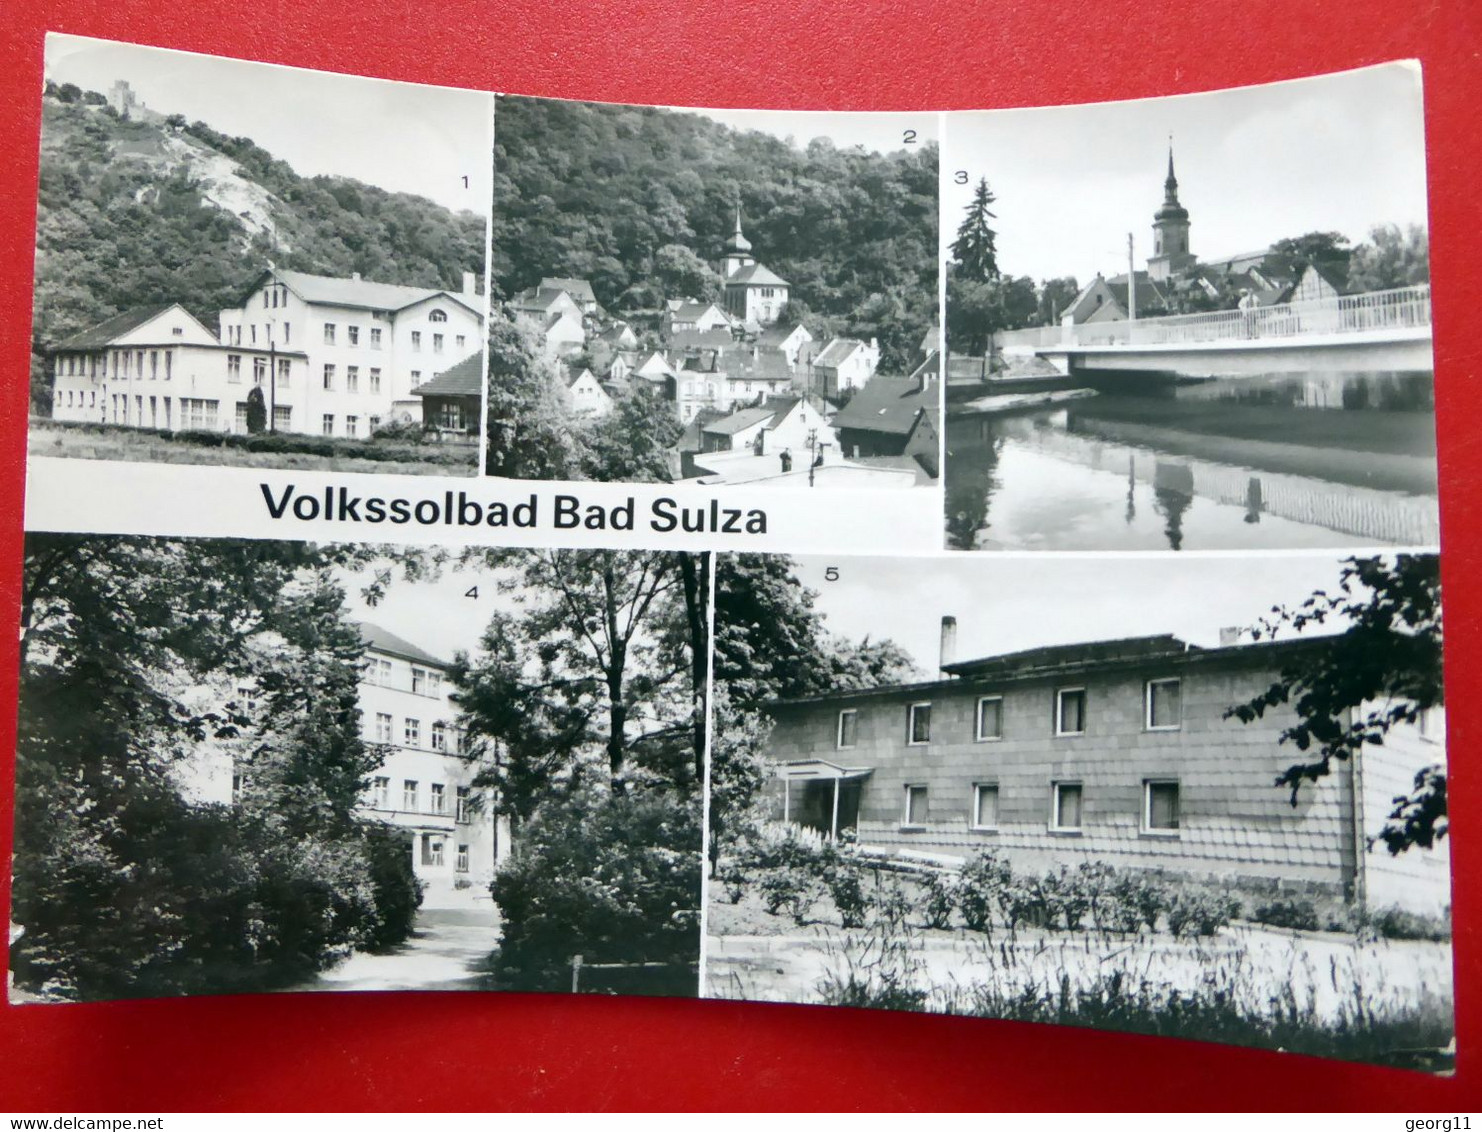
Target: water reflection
[(1321, 460)]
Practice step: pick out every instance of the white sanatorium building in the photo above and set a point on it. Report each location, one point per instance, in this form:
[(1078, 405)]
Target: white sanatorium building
[(425, 784), (346, 355)]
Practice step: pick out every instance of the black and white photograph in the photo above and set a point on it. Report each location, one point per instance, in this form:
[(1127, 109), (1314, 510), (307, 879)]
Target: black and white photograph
[(281, 766), (714, 296), (1198, 322), (246, 264), (1198, 797)]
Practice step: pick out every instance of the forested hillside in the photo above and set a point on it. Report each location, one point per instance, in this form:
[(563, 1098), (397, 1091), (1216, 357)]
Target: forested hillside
[(598, 192), (133, 212)]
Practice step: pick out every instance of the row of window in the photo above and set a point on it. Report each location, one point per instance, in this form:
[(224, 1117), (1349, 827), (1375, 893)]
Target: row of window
[(432, 853), (155, 412), (352, 425), (425, 681), (352, 378), (441, 737), (1160, 807), (352, 335), (234, 334), (259, 370), (411, 798), (1162, 711), (125, 363)]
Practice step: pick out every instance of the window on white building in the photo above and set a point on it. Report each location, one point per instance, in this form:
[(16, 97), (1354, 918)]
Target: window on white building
[(1164, 711), (439, 801), (282, 417), (283, 372), (329, 334), (1065, 807), (352, 426), (412, 732), (409, 794), (463, 858), (326, 424), (328, 375), (375, 379), (375, 338), (437, 343), (437, 315), (259, 371), (380, 792), (463, 804), (383, 727), (416, 339), (432, 850), (439, 737), (352, 335)]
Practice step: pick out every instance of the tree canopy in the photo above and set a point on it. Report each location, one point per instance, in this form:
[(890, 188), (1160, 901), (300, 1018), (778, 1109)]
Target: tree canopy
[(1383, 670), (619, 194)]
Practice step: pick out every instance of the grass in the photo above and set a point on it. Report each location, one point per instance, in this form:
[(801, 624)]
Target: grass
[(125, 444)]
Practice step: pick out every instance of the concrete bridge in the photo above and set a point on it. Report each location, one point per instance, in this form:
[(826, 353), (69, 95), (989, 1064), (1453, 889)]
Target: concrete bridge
[(1375, 331)]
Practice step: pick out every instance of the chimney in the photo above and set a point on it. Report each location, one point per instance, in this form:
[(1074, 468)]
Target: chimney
[(1230, 635), (468, 288), (948, 652)]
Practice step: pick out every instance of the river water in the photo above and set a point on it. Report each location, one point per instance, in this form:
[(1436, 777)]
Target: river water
[(1282, 461)]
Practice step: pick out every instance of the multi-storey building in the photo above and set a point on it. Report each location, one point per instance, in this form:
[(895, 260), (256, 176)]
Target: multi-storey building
[(426, 781), (1116, 751), (345, 356)]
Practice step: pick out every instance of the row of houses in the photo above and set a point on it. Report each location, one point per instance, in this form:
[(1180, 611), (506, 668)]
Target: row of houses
[(328, 356)]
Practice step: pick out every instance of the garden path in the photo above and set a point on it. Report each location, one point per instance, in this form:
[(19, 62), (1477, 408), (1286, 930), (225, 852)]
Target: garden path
[(446, 951)]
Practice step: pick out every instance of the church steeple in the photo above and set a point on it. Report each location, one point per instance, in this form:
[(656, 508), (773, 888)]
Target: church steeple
[(1170, 230), (737, 251)]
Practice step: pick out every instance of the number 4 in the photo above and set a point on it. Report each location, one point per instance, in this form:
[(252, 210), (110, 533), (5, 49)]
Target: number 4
[(472, 591)]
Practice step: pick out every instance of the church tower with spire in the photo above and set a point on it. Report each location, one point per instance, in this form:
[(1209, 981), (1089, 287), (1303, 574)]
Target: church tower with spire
[(737, 251), (1170, 231)]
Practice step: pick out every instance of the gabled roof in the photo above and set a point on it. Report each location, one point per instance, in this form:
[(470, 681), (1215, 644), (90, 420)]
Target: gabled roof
[(888, 404), (105, 332), (378, 639), (689, 309), (540, 299), (466, 379), (615, 332), (755, 275), (717, 338), (740, 420), (767, 364), (578, 289), (690, 440), (779, 333), (837, 352), (1148, 292), (359, 292), (571, 374), (932, 340)]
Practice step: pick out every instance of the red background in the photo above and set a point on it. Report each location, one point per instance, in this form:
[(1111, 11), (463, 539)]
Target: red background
[(440, 1051)]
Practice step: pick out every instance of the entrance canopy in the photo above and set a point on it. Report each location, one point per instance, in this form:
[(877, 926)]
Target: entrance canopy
[(818, 769)]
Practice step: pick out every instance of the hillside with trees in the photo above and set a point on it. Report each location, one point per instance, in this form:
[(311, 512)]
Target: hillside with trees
[(640, 200), (154, 210)]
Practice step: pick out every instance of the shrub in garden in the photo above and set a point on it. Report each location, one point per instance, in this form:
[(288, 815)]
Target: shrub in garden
[(732, 880), (613, 878), (845, 882), (1396, 923), (1287, 912), (790, 889), (939, 899), (1136, 900), (394, 885), (1199, 913), (981, 887)]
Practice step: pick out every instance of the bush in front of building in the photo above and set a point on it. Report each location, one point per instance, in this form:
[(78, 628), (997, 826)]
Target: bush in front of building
[(1199, 912), (793, 889), (1287, 912), (938, 900), (1397, 923), (614, 878), (171, 898), (394, 885)]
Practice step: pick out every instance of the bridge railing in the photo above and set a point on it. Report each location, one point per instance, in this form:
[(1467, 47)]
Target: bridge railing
[(1396, 309)]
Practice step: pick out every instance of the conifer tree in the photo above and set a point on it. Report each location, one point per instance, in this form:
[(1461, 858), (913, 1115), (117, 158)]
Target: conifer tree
[(974, 249)]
